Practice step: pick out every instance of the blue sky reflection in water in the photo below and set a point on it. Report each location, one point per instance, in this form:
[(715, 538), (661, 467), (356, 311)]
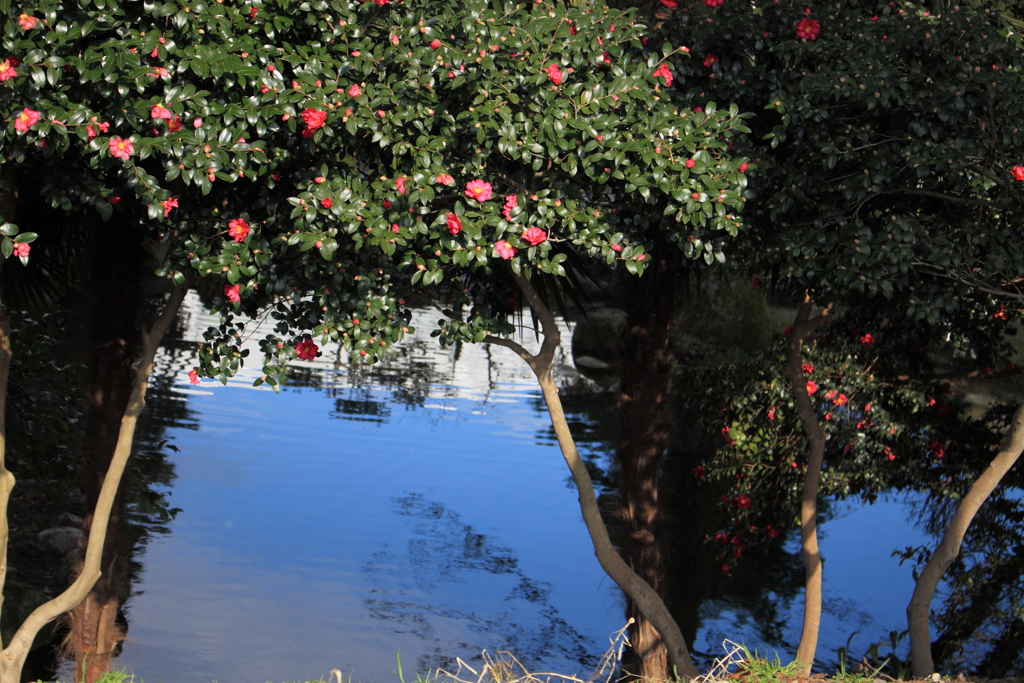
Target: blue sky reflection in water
[(334, 526)]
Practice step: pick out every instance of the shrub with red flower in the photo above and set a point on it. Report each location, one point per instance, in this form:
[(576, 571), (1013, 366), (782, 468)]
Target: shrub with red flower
[(22, 249), (400, 184), (709, 61), (231, 293), (354, 91), (664, 72), (671, 4), (534, 236), (7, 70), (1017, 171), (510, 203), (505, 250), (454, 223), (444, 179), (25, 120), (193, 376), (713, 3), (867, 340), (314, 120), (478, 190), (238, 229), (120, 148), (808, 29), (327, 202), (812, 387), (554, 74), (169, 204), (307, 349), (435, 44)]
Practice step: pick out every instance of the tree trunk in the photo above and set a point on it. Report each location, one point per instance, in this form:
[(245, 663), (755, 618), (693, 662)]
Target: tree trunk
[(802, 328), (13, 657), (646, 350), (647, 600), (6, 478), (920, 603), (115, 276)]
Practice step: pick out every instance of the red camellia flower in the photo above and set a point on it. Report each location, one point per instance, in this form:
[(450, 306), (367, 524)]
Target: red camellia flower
[(690, 163), (841, 400), (193, 376), (25, 120), (709, 60), (444, 179), (7, 71), (713, 3), (169, 204), (354, 91), (510, 203), (665, 72), (555, 74), (771, 413), (174, 125), (867, 340), (306, 349), (1017, 171), (534, 236), (327, 202), (807, 368), (742, 502), (231, 292), (616, 247), (504, 249), (238, 229), (772, 531), (27, 22), (119, 148), (454, 223), (671, 4), (478, 190), (21, 249), (434, 44), (400, 184), (812, 386), (743, 167), (159, 111), (808, 29), (314, 120), (699, 472), (386, 204)]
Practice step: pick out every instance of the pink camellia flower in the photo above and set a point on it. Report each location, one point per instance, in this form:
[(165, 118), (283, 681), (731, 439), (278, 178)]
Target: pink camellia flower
[(174, 125), (306, 349), (709, 61), (771, 413), (354, 90), (238, 229), (25, 120), (606, 58), (664, 72), (400, 184), (1017, 172), (27, 22), (555, 74), (169, 204), (159, 111), (690, 163), (193, 376), (743, 167), (231, 292), (7, 71), (713, 3), (21, 249), (478, 190), (812, 387), (504, 249), (160, 72), (534, 236), (510, 203), (327, 202), (616, 247), (394, 39), (319, 180), (120, 148), (867, 340), (444, 179), (434, 44), (671, 4), (841, 400), (808, 29), (454, 223)]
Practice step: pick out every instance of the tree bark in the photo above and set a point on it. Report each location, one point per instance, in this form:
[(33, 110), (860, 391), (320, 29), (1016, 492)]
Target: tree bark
[(12, 659), (920, 603), (802, 328), (6, 478), (647, 600), (646, 350)]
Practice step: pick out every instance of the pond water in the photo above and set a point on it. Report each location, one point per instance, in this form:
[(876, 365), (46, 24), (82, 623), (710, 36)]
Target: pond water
[(419, 508)]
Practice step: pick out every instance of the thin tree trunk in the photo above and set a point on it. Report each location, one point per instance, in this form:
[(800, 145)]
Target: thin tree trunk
[(802, 328), (6, 478), (12, 659), (920, 603), (647, 600), (646, 350)]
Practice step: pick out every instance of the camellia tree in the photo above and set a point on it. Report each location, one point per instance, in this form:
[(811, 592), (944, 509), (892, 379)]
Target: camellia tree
[(892, 159), (341, 162)]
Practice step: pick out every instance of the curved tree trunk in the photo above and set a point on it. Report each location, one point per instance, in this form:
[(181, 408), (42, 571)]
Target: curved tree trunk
[(637, 590), (115, 276), (920, 603), (802, 328), (646, 352), (12, 659)]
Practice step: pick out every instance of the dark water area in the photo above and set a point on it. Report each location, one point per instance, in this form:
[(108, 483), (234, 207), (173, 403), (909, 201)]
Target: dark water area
[(421, 508)]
